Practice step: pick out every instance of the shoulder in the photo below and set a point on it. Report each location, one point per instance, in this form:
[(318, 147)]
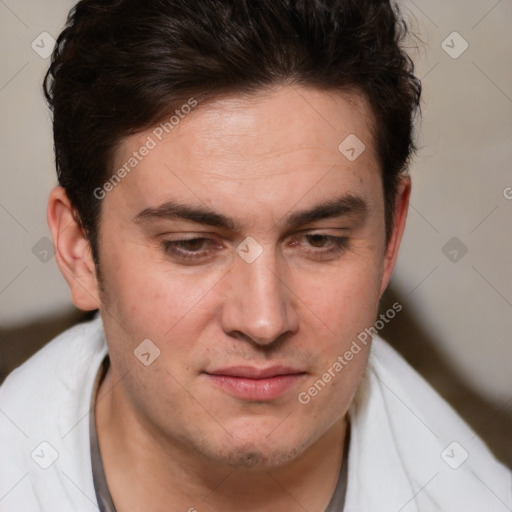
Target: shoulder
[(44, 406), (56, 369), (414, 449)]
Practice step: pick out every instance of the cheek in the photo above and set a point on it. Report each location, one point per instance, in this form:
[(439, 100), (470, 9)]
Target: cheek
[(147, 295), (344, 304), (343, 301)]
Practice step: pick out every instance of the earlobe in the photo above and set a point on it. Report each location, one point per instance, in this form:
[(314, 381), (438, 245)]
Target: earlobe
[(72, 251), (399, 220)]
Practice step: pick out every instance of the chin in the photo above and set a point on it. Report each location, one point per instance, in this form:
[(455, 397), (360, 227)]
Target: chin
[(261, 452), (251, 456)]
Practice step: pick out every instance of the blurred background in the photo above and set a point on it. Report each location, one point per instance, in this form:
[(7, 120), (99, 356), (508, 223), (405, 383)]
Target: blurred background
[(453, 277)]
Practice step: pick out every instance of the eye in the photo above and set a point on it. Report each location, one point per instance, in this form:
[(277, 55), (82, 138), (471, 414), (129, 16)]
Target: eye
[(315, 245), (321, 244), (189, 249)]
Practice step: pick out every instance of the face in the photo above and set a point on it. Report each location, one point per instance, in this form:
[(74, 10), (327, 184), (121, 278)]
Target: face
[(251, 252)]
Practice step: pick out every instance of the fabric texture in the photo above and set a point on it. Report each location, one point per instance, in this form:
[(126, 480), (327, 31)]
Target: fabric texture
[(409, 451)]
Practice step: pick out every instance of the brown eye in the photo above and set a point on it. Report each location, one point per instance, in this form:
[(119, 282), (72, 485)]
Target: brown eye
[(321, 245), (318, 240), (188, 248)]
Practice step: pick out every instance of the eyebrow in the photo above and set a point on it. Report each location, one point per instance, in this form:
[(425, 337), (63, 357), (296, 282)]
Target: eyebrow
[(341, 206)]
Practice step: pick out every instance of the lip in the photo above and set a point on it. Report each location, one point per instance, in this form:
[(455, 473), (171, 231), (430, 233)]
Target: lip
[(256, 384)]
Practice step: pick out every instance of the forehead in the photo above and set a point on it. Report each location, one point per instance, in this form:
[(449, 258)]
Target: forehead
[(286, 141)]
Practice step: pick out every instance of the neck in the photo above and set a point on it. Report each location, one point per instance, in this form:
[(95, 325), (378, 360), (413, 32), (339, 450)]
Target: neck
[(147, 472)]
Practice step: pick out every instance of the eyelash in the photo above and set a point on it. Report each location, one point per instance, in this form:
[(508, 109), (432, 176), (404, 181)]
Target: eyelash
[(172, 247)]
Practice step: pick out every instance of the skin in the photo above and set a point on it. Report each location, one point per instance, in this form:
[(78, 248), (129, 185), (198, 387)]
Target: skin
[(167, 433)]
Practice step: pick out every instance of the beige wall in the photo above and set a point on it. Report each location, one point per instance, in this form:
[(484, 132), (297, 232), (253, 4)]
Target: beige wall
[(460, 181), (459, 177)]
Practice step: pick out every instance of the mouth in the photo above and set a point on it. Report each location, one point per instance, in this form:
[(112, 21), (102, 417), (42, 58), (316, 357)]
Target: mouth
[(256, 384)]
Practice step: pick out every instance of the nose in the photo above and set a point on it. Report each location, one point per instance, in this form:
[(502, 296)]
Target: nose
[(259, 304)]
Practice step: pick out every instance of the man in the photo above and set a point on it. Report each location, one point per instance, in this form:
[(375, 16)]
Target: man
[(232, 196)]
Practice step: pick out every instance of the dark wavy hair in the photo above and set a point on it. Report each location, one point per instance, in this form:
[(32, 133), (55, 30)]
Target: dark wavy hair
[(121, 66)]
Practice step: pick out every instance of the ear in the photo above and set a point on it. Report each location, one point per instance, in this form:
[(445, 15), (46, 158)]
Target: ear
[(72, 251), (399, 218)]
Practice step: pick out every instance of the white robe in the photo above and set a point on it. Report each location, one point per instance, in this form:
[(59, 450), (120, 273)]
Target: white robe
[(409, 451)]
